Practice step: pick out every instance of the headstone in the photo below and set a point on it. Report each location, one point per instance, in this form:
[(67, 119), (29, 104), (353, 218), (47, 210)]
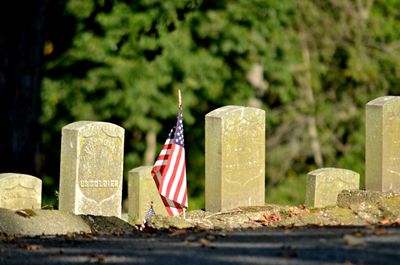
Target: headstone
[(91, 168), (20, 191), (325, 184), (382, 149), (235, 158), (142, 190)]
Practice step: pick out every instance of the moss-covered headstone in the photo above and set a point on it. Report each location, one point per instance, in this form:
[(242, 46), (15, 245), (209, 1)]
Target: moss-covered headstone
[(325, 184), (382, 148), (142, 191), (91, 168), (20, 191), (235, 158)]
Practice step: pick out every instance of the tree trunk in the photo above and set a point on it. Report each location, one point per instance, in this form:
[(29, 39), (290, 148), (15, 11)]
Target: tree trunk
[(309, 97), (151, 145), (21, 49)]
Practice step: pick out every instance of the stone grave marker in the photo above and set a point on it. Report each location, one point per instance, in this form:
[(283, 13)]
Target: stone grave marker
[(235, 158), (91, 168), (20, 191), (142, 190), (325, 184), (382, 148)]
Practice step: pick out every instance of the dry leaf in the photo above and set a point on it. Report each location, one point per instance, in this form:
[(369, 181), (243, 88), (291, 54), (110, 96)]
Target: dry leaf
[(385, 221), (98, 258), (353, 241), (30, 247), (33, 247), (294, 212), (302, 206), (272, 217), (379, 231), (358, 233), (27, 213), (10, 239), (70, 236), (211, 237), (119, 232), (204, 242), (178, 232)]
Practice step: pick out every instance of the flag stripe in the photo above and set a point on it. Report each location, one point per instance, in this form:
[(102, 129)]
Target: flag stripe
[(171, 165), (184, 200), (179, 187), (177, 172), (165, 169)]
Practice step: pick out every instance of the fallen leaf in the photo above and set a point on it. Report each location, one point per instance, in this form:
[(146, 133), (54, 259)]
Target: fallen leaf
[(302, 206), (98, 258), (358, 233), (385, 221), (33, 247), (199, 229), (204, 242), (379, 231), (27, 213), (30, 247), (10, 239), (191, 238), (353, 241), (70, 236), (87, 235), (119, 232), (271, 217), (295, 211), (178, 232), (211, 237)]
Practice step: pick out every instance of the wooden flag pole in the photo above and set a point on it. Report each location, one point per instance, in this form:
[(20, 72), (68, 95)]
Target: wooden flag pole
[(180, 105), (179, 98)]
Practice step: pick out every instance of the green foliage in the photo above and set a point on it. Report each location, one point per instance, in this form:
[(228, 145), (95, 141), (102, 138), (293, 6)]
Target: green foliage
[(312, 65)]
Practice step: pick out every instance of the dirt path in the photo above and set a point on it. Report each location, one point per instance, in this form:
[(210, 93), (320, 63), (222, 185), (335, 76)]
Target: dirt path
[(307, 245)]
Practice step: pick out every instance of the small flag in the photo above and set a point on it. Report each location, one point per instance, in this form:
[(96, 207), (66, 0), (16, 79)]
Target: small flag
[(150, 213), (169, 171)]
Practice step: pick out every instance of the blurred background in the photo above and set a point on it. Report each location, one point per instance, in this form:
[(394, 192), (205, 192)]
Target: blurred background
[(311, 65)]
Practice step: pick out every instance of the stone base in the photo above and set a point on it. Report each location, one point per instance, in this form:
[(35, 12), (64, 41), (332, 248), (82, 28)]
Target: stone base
[(52, 222)]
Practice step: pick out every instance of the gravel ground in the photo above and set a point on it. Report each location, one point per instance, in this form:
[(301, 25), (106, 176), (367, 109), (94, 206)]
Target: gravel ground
[(307, 245)]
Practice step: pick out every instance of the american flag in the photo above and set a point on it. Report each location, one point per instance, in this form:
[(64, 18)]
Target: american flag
[(150, 213), (169, 171)]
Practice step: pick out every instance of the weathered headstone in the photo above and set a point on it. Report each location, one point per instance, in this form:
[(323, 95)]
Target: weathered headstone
[(382, 149), (235, 158), (325, 184), (20, 191), (91, 168), (142, 190)]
